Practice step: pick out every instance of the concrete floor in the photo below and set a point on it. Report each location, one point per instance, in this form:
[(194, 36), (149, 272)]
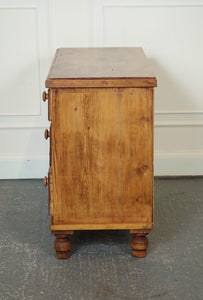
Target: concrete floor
[(101, 266)]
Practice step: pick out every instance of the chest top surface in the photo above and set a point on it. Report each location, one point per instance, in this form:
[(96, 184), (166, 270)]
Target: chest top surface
[(100, 67)]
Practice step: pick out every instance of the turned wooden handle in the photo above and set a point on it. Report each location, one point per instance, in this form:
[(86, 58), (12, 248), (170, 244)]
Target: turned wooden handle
[(44, 96), (45, 182), (46, 134)]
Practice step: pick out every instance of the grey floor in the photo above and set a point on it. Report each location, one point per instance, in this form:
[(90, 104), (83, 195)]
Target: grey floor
[(101, 265)]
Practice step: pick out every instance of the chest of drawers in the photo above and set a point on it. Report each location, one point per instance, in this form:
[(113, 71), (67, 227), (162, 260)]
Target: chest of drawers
[(100, 104)]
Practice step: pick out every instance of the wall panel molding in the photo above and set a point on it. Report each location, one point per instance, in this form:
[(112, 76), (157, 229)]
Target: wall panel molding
[(157, 123), (31, 119), (18, 125), (24, 152), (134, 3), (35, 110)]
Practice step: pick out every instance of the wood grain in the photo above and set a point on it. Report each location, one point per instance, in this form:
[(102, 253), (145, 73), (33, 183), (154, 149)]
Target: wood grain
[(102, 158), (105, 83)]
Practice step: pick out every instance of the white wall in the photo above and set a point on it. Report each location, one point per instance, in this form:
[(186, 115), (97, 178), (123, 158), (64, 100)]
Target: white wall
[(171, 33)]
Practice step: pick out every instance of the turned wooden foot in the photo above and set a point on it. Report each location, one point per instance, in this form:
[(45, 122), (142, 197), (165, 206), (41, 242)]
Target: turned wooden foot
[(62, 245), (139, 244)]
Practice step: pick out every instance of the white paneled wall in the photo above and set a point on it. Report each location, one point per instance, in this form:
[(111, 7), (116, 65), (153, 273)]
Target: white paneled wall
[(169, 31), (24, 61)]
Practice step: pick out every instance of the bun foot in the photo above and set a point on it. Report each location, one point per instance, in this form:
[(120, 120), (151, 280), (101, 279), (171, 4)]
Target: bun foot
[(62, 246), (139, 245)]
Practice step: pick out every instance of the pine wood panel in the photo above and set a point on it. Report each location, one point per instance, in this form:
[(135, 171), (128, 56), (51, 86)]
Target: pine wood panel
[(102, 158)]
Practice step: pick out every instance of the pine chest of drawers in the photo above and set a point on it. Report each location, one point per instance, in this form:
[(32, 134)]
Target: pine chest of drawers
[(100, 104)]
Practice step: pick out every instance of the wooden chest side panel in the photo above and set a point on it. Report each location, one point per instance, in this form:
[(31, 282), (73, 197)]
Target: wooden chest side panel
[(137, 133), (102, 155)]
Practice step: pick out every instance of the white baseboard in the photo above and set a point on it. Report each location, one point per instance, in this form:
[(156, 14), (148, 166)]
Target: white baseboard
[(165, 164), (187, 163), (21, 167)]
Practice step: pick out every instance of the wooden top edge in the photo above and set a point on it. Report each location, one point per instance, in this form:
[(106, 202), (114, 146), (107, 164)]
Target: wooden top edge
[(100, 78), (101, 82)]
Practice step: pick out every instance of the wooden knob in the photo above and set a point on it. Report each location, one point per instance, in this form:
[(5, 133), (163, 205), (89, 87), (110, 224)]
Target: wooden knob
[(46, 134), (45, 182), (44, 96)]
